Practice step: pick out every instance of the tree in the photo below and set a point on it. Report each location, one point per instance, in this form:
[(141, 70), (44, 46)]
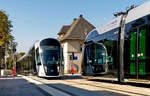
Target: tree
[(12, 55), (5, 34), (5, 29)]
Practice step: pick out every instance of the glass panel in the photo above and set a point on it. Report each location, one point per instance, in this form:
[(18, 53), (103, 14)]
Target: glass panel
[(50, 47), (142, 44), (142, 68), (99, 54), (132, 53), (50, 55), (142, 50), (87, 67), (38, 61), (49, 41), (132, 69)]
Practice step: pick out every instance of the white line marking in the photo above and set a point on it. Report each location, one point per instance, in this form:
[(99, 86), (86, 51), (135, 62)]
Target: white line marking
[(46, 88)]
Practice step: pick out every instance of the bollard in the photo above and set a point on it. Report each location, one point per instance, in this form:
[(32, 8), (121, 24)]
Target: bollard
[(72, 70), (13, 71)]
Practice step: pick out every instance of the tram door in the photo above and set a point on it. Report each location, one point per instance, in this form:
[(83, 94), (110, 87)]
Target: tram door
[(100, 58), (88, 60), (95, 59), (138, 51)]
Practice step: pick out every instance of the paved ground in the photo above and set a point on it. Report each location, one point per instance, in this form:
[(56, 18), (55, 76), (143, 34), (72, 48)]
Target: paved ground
[(35, 86), (19, 87), (83, 87)]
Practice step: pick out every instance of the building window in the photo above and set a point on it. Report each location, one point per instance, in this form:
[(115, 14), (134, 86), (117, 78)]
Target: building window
[(81, 48)]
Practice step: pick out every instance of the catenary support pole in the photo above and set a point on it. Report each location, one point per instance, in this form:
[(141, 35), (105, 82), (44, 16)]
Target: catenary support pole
[(121, 44)]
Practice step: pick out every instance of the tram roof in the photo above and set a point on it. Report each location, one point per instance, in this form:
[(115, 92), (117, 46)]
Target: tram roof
[(109, 30), (138, 12), (134, 14), (92, 35)]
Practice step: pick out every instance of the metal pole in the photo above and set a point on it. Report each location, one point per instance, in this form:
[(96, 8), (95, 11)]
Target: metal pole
[(136, 58), (121, 48), (5, 56), (120, 42), (0, 59), (14, 65), (121, 53)]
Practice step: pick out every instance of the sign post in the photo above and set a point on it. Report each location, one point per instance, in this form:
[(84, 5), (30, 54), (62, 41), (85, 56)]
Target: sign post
[(72, 58)]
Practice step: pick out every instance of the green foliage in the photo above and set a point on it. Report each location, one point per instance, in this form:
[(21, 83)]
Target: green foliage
[(22, 53), (5, 28), (10, 62), (5, 35)]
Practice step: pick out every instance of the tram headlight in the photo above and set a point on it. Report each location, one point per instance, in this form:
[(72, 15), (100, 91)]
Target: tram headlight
[(40, 50), (45, 68), (58, 68)]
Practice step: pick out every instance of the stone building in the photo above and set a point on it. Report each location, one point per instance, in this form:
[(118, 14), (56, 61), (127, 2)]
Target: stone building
[(72, 39)]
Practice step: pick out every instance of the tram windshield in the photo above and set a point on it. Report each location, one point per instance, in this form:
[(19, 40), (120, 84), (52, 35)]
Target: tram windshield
[(50, 55), (99, 54)]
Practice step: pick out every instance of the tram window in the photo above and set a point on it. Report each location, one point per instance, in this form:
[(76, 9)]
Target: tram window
[(138, 22), (100, 61), (81, 49), (50, 57), (110, 60), (148, 17), (38, 57), (62, 57), (99, 54), (38, 61)]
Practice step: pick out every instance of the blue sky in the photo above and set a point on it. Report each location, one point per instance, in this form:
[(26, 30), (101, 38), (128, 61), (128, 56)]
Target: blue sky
[(36, 19)]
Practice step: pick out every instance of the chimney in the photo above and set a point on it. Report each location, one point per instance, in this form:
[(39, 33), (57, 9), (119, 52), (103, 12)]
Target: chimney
[(74, 19), (81, 16)]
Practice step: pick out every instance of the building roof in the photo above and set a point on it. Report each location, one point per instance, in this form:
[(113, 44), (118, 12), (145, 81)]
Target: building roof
[(64, 29), (77, 30)]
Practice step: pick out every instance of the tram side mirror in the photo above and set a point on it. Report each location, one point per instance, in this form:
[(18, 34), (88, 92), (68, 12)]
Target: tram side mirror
[(39, 63)]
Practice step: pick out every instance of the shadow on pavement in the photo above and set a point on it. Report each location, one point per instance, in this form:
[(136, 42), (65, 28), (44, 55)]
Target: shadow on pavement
[(74, 91), (124, 83), (10, 86), (70, 77)]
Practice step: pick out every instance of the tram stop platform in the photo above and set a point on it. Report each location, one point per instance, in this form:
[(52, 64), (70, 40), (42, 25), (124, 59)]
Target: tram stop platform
[(72, 76), (133, 82)]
